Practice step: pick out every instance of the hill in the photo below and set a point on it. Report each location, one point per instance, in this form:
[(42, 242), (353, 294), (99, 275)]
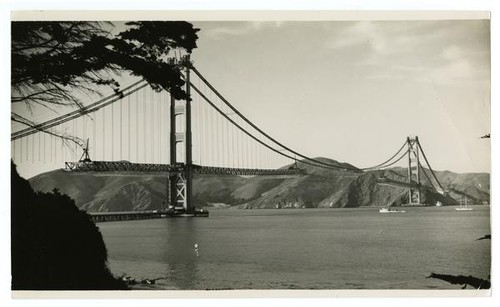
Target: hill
[(320, 187)]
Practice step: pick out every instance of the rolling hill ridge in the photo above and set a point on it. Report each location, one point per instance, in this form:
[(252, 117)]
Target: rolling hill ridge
[(320, 187)]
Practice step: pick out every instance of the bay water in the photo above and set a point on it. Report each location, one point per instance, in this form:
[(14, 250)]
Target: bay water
[(356, 248)]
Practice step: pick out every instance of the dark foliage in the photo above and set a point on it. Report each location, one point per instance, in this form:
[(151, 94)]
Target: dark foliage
[(485, 237), (476, 283), (51, 61), (55, 246)]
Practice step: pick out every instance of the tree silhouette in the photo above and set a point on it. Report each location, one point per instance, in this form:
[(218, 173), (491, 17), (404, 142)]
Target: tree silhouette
[(55, 246), (52, 61)]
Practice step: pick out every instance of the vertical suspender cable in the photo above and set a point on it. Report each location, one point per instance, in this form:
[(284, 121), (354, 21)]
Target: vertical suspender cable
[(158, 125), (227, 143), (14, 154), (194, 128), (103, 121), (205, 131), (155, 126), (253, 153), (63, 148), (94, 125), (19, 157), (212, 138), (20, 150), (167, 127), (231, 127), (44, 149), (216, 139), (219, 140), (121, 127), (84, 127), (198, 126), (200, 131), (223, 142), (239, 150), (75, 135), (128, 123), (150, 121), (263, 156), (144, 122), (33, 148), (39, 146), (243, 151), (65, 145), (51, 138), (247, 152), (136, 127), (112, 131), (151, 103), (258, 154), (54, 149)]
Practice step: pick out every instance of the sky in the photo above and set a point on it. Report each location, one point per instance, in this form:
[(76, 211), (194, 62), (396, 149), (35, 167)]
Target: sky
[(353, 91)]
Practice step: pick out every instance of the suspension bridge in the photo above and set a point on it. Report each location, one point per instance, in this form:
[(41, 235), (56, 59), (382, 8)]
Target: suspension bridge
[(138, 130)]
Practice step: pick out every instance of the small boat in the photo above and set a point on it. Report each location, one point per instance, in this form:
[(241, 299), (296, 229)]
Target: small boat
[(464, 206), (388, 210)]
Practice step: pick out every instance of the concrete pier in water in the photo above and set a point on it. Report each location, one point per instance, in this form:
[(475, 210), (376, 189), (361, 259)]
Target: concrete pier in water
[(142, 215)]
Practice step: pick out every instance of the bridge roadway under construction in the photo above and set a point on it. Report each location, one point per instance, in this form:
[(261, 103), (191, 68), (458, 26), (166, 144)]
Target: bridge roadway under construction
[(98, 217), (124, 167)]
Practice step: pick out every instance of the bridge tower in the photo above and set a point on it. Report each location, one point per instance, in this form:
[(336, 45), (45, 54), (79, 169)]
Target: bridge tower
[(413, 171), (181, 143)]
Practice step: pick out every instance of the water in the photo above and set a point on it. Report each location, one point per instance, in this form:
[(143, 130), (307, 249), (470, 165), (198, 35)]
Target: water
[(303, 248)]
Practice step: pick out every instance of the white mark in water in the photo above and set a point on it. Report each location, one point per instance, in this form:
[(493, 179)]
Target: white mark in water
[(196, 251)]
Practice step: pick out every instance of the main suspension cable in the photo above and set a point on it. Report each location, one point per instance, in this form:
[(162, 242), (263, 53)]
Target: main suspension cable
[(262, 132), (381, 165), (426, 176), (430, 168), (245, 131), (79, 112), (399, 159)]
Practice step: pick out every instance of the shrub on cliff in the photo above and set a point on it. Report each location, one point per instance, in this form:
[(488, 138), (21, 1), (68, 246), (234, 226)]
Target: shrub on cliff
[(55, 246)]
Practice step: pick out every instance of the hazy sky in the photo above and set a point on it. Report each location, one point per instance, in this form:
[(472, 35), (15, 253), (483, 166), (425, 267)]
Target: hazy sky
[(353, 91)]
